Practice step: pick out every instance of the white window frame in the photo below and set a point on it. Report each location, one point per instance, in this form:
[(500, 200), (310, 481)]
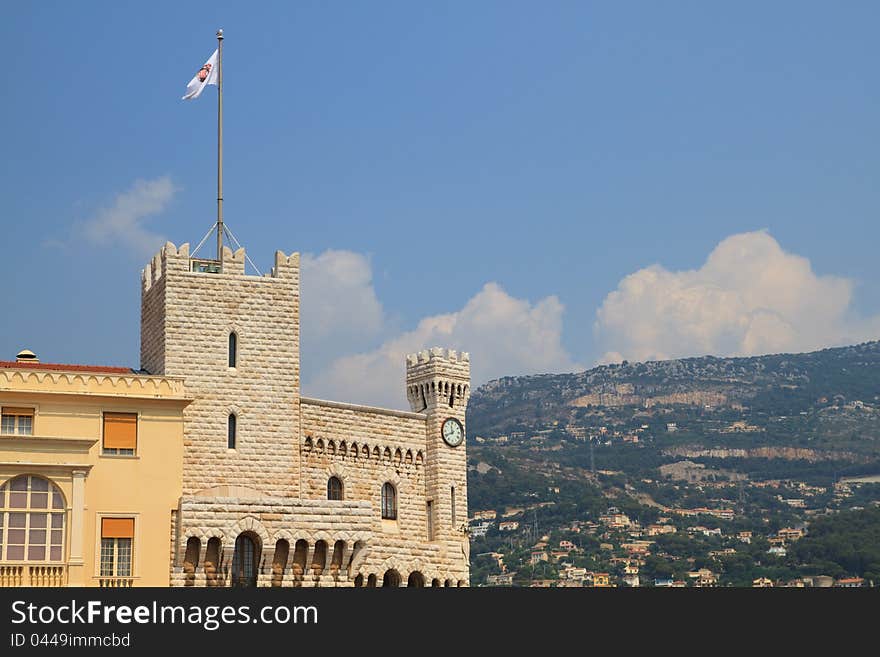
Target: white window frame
[(135, 542), (15, 431)]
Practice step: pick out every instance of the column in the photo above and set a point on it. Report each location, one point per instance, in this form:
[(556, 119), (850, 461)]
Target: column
[(76, 563)]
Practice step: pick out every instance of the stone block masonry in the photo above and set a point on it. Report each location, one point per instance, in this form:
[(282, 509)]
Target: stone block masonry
[(438, 384), (255, 507), (186, 321)]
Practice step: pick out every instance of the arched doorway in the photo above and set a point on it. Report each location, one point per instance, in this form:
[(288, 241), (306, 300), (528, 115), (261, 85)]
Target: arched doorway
[(391, 578), (416, 579), (245, 560)]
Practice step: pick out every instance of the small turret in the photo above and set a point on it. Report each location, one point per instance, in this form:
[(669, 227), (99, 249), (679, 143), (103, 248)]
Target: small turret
[(436, 378)]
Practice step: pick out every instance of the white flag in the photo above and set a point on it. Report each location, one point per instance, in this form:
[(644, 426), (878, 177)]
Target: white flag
[(208, 74)]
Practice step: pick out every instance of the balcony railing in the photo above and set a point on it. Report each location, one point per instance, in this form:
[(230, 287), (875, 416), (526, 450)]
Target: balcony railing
[(115, 582), (41, 575)]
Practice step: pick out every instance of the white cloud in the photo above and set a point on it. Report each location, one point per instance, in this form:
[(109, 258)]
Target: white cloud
[(505, 336), (749, 297), (340, 312), (123, 222)]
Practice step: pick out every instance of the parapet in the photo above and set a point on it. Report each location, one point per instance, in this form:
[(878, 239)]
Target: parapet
[(159, 264), (439, 354), (172, 258), (438, 363), (284, 263)]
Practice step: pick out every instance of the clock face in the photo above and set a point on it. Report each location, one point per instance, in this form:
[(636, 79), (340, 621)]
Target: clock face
[(453, 432)]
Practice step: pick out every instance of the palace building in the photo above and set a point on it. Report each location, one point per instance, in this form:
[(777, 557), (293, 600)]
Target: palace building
[(207, 467)]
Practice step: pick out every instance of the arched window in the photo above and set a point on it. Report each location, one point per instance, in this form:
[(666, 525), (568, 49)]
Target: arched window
[(233, 349), (334, 488), (31, 520), (244, 561), (231, 431), (389, 501)]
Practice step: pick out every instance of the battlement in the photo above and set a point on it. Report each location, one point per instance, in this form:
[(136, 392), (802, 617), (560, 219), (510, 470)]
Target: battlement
[(438, 354), (178, 259), (436, 376)]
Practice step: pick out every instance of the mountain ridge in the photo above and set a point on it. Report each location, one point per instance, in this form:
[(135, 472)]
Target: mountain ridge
[(795, 381)]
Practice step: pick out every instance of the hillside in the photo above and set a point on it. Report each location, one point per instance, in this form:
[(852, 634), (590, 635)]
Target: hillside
[(812, 417), (829, 395), (705, 471)]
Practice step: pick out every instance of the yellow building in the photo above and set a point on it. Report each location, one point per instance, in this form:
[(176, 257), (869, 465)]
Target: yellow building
[(90, 472), (601, 580)]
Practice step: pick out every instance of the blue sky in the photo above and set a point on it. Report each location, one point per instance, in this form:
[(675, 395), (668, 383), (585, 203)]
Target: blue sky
[(539, 183)]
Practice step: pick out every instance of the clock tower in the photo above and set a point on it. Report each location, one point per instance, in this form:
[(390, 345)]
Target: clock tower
[(438, 384)]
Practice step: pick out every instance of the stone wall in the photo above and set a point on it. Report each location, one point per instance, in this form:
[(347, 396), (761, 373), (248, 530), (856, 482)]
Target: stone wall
[(365, 448), (186, 321), (273, 486)]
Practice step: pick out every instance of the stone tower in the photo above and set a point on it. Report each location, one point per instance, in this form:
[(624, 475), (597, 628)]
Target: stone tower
[(438, 384), (188, 311)]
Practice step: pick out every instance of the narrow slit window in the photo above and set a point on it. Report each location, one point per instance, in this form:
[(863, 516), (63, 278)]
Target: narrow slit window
[(231, 431), (452, 502), (233, 349), (429, 513)]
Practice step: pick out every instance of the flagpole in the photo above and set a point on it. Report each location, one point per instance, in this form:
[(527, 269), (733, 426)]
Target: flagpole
[(220, 147)]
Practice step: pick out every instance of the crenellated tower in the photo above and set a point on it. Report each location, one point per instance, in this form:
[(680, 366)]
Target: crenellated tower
[(438, 384), (235, 339)]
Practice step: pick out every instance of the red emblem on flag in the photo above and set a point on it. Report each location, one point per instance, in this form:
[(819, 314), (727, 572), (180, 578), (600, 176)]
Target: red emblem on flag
[(203, 72)]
